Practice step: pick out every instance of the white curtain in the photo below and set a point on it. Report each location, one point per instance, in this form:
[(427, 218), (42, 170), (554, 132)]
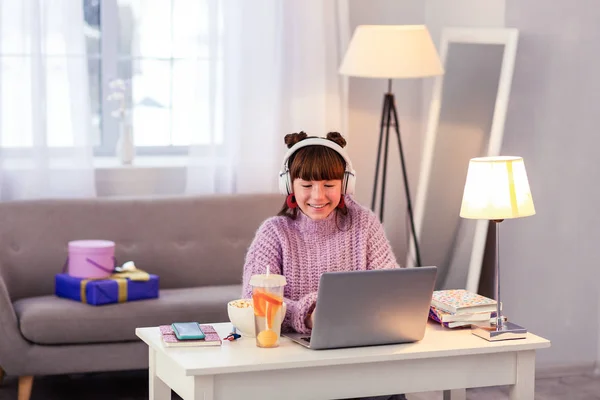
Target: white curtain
[(45, 123), (273, 71)]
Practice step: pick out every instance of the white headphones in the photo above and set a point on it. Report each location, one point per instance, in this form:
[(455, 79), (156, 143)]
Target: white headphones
[(285, 181)]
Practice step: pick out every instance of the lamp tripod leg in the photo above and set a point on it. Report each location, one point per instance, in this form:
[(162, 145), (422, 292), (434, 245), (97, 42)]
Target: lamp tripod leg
[(385, 155), (381, 132), (394, 114)]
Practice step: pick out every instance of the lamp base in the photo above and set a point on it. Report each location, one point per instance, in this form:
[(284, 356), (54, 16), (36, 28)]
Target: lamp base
[(507, 331)]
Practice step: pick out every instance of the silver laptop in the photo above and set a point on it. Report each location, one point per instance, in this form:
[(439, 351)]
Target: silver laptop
[(365, 308)]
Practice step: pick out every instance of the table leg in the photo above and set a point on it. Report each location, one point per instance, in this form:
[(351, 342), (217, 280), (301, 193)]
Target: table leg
[(524, 389), (158, 390), (204, 388), (455, 394)]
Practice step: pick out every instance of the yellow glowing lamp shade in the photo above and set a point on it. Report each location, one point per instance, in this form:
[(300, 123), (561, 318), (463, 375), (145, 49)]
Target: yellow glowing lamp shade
[(391, 51), (496, 188)]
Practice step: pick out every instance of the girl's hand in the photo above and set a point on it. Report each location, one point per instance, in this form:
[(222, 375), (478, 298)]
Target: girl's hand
[(309, 320)]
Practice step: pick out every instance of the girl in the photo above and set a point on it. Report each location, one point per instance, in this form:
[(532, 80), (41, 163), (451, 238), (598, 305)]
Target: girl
[(319, 229)]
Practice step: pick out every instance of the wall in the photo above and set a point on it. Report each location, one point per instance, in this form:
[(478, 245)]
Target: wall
[(550, 260)]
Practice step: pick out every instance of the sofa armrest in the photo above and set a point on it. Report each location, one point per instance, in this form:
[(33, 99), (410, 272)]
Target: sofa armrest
[(13, 346)]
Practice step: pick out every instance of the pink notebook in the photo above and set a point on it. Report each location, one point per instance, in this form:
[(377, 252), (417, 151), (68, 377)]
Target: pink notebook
[(211, 337)]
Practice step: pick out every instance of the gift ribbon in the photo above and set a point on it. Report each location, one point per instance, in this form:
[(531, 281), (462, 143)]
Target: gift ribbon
[(121, 278), (121, 285)]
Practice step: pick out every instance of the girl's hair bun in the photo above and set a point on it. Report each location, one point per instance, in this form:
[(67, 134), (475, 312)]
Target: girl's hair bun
[(293, 138), (337, 138)]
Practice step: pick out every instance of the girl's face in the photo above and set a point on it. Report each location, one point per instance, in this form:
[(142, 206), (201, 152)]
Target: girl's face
[(317, 199)]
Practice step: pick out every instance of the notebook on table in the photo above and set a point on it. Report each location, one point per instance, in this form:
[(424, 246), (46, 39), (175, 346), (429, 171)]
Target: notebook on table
[(365, 308), (211, 337)]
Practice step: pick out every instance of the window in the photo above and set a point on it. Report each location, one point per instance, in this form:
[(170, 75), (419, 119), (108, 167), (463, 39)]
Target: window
[(55, 73), (162, 52)]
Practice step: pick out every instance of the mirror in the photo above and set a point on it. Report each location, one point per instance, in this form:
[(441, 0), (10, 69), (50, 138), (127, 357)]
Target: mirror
[(466, 120)]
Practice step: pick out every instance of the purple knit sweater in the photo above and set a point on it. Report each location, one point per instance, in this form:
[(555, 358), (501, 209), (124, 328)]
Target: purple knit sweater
[(303, 249)]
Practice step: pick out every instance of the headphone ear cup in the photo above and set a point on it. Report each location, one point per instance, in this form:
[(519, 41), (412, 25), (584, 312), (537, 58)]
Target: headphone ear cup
[(284, 183), (349, 183)]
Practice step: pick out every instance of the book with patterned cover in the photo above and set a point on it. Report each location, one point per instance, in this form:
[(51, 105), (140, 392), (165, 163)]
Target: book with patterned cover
[(460, 301), (211, 337)]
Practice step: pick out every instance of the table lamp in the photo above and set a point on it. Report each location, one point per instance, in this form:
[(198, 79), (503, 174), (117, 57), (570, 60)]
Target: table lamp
[(391, 52), (496, 189)]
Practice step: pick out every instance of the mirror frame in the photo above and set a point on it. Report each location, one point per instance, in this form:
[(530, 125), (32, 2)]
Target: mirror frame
[(509, 38)]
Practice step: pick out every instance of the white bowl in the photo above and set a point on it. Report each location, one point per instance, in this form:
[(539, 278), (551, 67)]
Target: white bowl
[(243, 317)]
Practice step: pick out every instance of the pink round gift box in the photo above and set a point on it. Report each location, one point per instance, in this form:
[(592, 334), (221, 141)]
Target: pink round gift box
[(91, 258)]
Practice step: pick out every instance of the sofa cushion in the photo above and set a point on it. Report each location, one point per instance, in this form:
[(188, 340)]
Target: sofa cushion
[(53, 320)]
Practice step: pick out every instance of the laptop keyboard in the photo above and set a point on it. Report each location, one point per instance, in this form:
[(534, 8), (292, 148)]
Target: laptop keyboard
[(306, 338)]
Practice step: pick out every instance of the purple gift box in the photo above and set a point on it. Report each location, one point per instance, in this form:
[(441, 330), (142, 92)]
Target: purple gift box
[(105, 291)]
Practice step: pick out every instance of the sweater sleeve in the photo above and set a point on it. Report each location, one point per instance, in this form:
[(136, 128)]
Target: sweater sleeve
[(265, 251), (379, 251), (297, 311)]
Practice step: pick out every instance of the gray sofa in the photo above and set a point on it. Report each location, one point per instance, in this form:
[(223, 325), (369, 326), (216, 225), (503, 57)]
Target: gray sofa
[(195, 244)]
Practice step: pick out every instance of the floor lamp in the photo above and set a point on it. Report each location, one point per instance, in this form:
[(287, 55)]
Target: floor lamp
[(391, 52), (497, 189)]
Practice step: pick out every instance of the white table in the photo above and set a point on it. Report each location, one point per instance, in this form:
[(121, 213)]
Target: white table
[(448, 360)]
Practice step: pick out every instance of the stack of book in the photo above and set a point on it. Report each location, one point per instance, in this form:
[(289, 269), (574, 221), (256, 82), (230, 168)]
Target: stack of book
[(457, 308)]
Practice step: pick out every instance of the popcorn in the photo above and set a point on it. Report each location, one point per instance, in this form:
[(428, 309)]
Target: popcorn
[(242, 303)]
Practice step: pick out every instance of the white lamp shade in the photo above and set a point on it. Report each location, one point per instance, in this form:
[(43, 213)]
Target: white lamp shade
[(496, 188), (391, 51)]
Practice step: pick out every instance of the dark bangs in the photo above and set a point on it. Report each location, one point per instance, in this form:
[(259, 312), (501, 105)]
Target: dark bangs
[(317, 163)]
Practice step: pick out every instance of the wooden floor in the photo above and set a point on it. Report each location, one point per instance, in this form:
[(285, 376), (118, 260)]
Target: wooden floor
[(133, 386)]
